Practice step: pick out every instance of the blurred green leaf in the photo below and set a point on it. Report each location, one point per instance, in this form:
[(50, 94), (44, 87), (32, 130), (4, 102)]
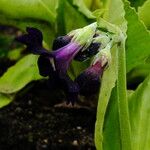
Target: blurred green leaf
[(35, 13), (19, 75), (35, 9), (136, 3), (47, 29), (66, 15), (5, 42), (83, 8), (144, 12), (73, 19), (137, 44), (139, 106), (88, 3), (5, 100), (137, 75)]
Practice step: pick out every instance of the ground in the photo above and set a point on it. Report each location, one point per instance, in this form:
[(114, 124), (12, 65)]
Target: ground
[(32, 122)]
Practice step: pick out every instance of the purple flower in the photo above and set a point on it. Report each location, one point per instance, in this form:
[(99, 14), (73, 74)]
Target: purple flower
[(87, 53), (33, 40), (56, 63), (64, 56), (89, 80), (61, 41)]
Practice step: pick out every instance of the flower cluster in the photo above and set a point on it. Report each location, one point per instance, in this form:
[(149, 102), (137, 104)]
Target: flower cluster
[(79, 45)]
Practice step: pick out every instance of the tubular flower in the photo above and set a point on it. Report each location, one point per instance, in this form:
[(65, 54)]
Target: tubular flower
[(89, 80), (60, 42), (95, 40), (56, 63)]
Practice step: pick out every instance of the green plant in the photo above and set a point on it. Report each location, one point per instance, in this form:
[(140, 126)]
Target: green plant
[(122, 113)]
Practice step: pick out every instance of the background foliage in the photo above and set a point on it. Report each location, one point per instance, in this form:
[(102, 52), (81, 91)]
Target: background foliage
[(123, 108)]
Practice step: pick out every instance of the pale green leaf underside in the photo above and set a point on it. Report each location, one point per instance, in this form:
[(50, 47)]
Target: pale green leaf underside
[(19, 75), (139, 107), (114, 13)]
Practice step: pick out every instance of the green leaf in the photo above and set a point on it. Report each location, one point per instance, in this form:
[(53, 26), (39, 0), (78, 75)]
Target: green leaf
[(73, 19), (139, 106), (35, 9), (114, 14), (19, 75), (47, 29), (77, 67), (125, 132), (144, 12), (5, 100), (83, 8), (111, 133), (138, 74), (137, 3), (60, 21), (108, 83), (66, 14), (137, 44), (5, 42)]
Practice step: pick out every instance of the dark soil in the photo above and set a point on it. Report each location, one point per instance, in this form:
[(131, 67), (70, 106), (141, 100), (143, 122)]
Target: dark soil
[(31, 122)]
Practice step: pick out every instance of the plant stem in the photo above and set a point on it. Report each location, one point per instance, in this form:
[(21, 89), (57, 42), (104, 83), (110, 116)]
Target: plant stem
[(125, 130)]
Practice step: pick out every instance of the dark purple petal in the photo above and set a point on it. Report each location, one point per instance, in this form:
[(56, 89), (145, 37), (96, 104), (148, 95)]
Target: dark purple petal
[(81, 56), (33, 41), (89, 80), (87, 53), (70, 88), (35, 35), (93, 49), (60, 42), (64, 56), (45, 66)]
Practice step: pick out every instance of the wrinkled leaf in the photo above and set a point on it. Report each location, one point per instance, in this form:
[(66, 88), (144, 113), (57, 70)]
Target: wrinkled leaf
[(137, 44), (19, 75)]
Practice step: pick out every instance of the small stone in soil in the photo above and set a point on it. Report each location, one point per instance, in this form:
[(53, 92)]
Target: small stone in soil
[(75, 143)]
